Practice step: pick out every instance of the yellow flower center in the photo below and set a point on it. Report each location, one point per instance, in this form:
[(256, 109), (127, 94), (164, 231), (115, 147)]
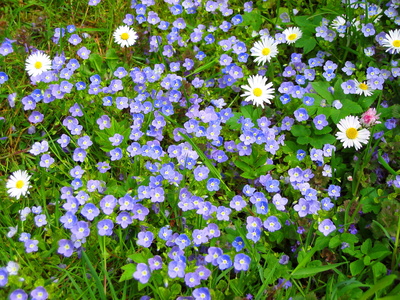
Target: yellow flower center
[(292, 37), (124, 36), (351, 133), (396, 43), (257, 92), (20, 184), (38, 65), (266, 51), (363, 86)]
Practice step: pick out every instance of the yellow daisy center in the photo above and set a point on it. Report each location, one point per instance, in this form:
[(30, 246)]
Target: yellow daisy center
[(351, 133), (266, 51), (19, 184), (38, 65), (257, 92), (124, 36), (363, 86), (396, 43), (292, 37)]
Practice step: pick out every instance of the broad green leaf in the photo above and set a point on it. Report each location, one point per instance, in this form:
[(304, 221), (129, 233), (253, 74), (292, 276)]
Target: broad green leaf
[(242, 165), (307, 271), (356, 267), (321, 87), (300, 130), (128, 272)]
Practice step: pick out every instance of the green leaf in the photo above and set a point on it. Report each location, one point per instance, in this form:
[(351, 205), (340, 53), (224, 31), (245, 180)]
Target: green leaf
[(321, 87), (128, 272), (96, 62), (243, 166), (324, 130), (252, 19), (366, 246), (381, 284), (308, 43), (307, 271), (264, 169), (303, 140), (356, 267), (95, 276), (319, 141), (138, 258), (300, 130)]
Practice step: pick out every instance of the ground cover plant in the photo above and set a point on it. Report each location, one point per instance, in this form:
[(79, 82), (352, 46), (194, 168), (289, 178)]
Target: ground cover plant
[(199, 149)]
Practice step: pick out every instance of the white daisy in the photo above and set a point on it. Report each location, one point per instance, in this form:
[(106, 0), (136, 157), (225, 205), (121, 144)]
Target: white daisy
[(264, 50), (18, 184), (292, 34), (37, 63), (258, 90), (350, 133), (363, 88), (392, 41), (125, 36)]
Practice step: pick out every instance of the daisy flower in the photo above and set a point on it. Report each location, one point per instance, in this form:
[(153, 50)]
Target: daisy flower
[(350, 133), (125, 36), (363, 88), (392, 41), (37, 63), (258, 90), (18, 184), (292, 34), (264, 50)]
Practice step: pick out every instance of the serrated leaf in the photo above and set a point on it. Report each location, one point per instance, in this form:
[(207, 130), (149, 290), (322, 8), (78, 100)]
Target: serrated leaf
[(138, 258), (128, 272)]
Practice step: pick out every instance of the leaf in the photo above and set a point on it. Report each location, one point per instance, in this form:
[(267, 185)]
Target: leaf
[(252, 19), (300, 130), (307, 271), (242, 165), (319, 141), (308, 43), (324, 130), (381, 284), (321, 87), (356, 267), (138, 258), (128, 272), (303, 140), (96, 62)]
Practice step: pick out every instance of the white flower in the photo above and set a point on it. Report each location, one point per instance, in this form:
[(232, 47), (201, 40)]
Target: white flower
[(37, 63), (258, 90), (12, 268), (18, 184), (363, 88), (12, 231), (292, 34), (125, 36), (392, 41), (350, 133), (264, 50)]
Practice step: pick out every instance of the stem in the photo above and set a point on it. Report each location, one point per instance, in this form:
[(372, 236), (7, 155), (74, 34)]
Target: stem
[(396, 245)]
